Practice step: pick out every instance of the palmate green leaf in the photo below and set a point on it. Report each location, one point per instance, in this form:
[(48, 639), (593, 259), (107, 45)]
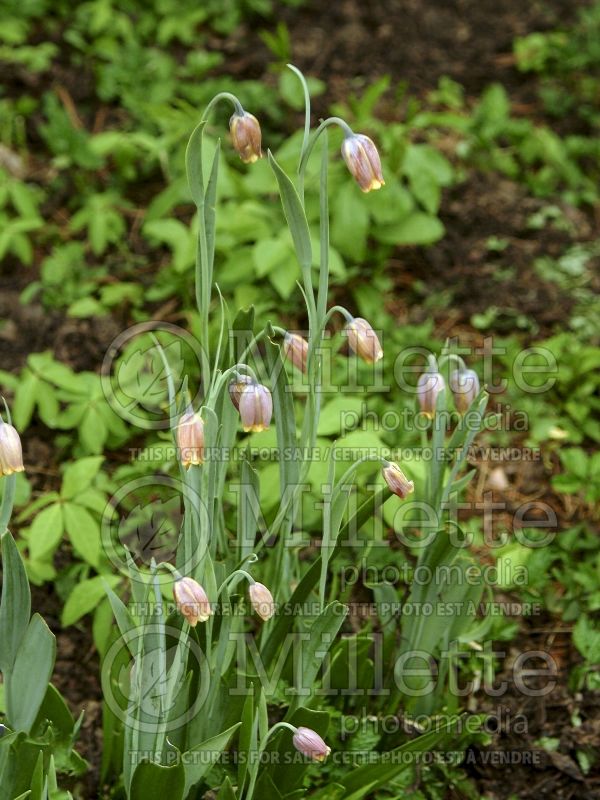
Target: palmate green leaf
[(15, 605), (84, 532), (79, 475), (26, 396), (31, 674), (85, 597), (199, 759), (416, 228), (46, 532), (154, 782)]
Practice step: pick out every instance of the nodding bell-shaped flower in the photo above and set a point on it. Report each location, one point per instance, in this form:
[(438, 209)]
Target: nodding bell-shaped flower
[(190, 439), (192, 601), (464, 384), (309, 743), (397, 481), (362, 159), (261, 600), (11, 454), (363, 340), (236, 388), (295, 348), (246, 136), (256, 407), (429, 386)]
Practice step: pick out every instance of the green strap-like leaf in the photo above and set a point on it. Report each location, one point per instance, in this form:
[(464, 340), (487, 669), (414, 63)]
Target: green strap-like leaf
[(210, 750), (322, 634), (15, 607), (298, 225), (193, 164), (31, 674)]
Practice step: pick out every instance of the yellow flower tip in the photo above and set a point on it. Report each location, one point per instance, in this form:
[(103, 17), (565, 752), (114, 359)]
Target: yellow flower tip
[(251, 158), (256, 407), (190, 439), (373, 186)]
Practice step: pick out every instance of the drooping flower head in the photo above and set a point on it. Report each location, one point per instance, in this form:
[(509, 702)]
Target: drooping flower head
[(236, 387), (246, 136), (190, 439), (261, 600), (295, 348), (464, 384), (192, 601), (363, 340), (397, 481), (256, 407), (310, 744), (11, 454), (429, 387), (362, 159)]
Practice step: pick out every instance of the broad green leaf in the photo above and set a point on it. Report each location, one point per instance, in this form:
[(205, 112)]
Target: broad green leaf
[(79, 476), (193, 165), (363, 780), (154, 782), (321, 636), (93, 430), (196, 767), (46, 532), (295, 216), (31, 674), (85, 597), (84, 532), (285, 420), (416, 228), (15, 606)]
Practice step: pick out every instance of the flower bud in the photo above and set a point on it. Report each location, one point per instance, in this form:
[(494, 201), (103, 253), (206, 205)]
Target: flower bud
[(309, 743), (429, 386), (362, 159), (464, 384), (246, 136), (256, 407), (190, 439), (262, 600), (363, 340), (397, 481), (295, 348), (192, 601), (11, 454)]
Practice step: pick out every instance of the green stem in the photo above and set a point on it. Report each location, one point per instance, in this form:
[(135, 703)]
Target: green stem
[(8, 499), (325, 124), (261, 749)]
